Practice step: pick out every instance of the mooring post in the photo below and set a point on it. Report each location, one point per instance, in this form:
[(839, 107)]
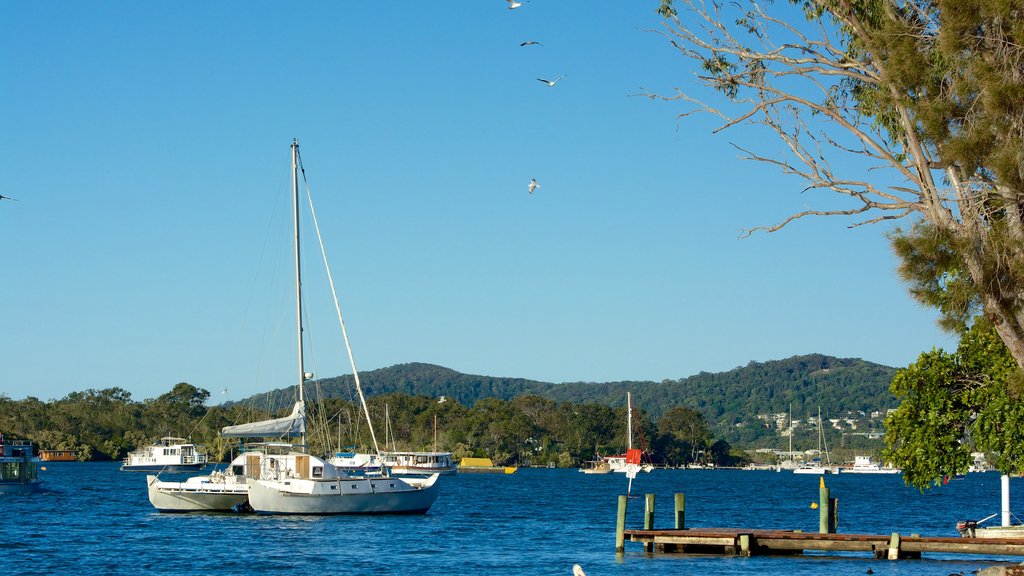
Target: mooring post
[(745, 545), (620, 526), (680, 511), (649, 519), (894, 546), (823, 508), (833, 515)]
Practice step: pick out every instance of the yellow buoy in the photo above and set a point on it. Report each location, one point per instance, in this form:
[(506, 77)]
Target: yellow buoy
[(814, 505)]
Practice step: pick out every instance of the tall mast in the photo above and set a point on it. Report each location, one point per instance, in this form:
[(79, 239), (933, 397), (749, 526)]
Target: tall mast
[(791, 431), (629, 420), (298, 266)]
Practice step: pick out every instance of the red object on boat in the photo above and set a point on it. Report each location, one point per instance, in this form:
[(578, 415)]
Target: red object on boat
[(633, 456)]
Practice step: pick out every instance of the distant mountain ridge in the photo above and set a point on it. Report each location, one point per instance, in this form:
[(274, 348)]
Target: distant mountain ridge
[(728, 399)]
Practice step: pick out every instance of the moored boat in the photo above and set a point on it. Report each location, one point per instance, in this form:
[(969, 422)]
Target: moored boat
[(864, 465), (169, 454), (406, 463), (299, 483), (483, 465), (596, 467), (58, 455), (19, 467)]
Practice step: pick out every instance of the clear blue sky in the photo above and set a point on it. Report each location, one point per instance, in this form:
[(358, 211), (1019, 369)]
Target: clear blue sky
[(147, 147)]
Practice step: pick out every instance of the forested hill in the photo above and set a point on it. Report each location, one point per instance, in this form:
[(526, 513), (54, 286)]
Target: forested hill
[(726, 399)]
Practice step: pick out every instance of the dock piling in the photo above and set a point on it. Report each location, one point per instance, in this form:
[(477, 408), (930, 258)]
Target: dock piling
[(680, 511), (620, 526), (649, 519)]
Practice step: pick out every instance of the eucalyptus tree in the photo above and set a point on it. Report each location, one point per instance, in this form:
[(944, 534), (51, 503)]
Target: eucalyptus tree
[(904, 109)]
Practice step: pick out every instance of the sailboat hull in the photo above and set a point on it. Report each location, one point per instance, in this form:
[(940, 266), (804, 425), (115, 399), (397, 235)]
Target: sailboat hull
[(358, 495), (198, 494)]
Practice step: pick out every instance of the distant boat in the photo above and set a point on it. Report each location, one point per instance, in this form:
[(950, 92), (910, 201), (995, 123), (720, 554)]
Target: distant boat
[(979, 463), (483, 465), (169, 454), (619, 463), (816, 466), (406, 463), (19, 467), (864, 465), (596, 467), (58, 455), (356, 463)]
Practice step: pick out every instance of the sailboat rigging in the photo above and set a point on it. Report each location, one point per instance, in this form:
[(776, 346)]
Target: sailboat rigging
[(279, 478)]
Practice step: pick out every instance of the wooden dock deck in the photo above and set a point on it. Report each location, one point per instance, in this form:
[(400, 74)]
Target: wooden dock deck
[(746, 542), (756, 542)]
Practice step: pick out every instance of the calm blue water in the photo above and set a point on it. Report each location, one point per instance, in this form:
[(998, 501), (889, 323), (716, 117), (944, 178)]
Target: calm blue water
[(96, 519)]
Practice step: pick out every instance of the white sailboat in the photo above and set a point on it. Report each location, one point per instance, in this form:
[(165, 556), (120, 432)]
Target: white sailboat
[(619, 463), (816, 466), (279, 478), (298, 483)]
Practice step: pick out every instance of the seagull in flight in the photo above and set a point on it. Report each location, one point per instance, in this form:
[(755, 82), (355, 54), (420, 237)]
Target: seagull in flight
[(551, 82), (533, 185), (2, 197), (512, 4), (531, 43)]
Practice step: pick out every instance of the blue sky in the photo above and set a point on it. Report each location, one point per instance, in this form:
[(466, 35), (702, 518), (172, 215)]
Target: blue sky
[(147, 145)]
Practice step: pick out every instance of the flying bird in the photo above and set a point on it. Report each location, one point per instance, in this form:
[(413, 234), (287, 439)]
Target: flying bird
[(512, 4), (533, 185), (2, 197), (551, 82), (531, 43)]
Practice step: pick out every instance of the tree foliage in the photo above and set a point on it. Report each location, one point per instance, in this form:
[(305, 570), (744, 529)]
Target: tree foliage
[(106, 424), (956, 403), (926, 96)]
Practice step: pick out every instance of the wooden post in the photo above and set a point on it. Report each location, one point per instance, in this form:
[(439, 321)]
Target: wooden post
[(649, 519), (620, 526), (745, 544), (833, 515), (823, 511), (680, 511), (894, 546)]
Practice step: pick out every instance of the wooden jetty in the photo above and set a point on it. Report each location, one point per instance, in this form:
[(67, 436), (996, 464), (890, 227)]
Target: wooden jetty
[(754, 542), (745, 542)]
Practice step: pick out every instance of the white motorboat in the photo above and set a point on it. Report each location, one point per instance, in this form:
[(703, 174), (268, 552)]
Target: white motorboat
[(169, 454), (864, 465), (356, 463), (19, 467), (418, 463)]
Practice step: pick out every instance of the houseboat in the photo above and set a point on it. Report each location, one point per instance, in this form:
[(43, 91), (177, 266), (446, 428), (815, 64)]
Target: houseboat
[(19, 467), (168, 455)]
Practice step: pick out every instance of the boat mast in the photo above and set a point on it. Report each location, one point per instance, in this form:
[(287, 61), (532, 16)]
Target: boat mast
[(298, 269), (629, 420), (791, 432)]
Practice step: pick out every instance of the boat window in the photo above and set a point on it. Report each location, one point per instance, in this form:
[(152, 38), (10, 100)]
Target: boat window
[(318, 471)]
